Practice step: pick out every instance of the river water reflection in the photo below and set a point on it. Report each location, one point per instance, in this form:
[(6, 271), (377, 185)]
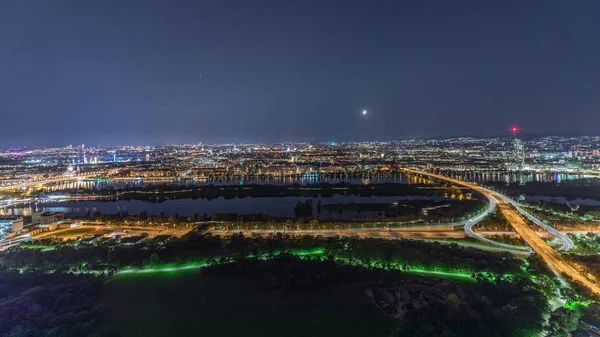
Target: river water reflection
[(483, 177), (280, 207)]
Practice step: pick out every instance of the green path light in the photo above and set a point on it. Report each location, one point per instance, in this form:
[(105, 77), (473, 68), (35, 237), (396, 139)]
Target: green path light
[(172, 269), (162, 269), (201, 264), (441, 273)]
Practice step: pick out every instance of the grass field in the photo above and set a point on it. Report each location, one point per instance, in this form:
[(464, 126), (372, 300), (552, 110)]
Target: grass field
[(67, 233), (186, 304), (79, 231)]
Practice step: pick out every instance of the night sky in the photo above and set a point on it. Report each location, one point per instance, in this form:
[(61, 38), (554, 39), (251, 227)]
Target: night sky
[(153, 72)]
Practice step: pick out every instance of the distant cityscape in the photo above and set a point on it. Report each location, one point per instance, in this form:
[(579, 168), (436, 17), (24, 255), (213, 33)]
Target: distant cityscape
[(213, 161)]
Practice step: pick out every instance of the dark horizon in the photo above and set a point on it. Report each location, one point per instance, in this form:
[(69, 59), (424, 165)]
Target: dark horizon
[(158, 72)]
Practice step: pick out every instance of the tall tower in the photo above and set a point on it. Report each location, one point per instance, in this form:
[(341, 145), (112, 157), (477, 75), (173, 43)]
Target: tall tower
[(518, 150)]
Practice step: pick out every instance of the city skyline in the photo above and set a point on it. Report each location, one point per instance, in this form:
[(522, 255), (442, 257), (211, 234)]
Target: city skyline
[(508, 134)]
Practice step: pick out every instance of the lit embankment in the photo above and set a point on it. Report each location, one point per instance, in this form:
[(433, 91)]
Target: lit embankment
[(169, 268), (418, 270)]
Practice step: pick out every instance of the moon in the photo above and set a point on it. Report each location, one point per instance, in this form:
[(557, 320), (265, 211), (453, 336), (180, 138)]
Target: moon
[(364, 112)]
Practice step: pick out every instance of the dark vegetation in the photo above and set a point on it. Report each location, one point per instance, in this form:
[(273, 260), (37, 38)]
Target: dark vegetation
[(566, 215), (190, 305), (35, 304), (590, 264), (495, 221), (587, 211), (588, 244), (495, 310), (508, 239), (563, 322), (498, 308)]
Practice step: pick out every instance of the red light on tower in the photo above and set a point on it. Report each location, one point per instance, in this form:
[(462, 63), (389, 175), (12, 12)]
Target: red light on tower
[(514, 131)]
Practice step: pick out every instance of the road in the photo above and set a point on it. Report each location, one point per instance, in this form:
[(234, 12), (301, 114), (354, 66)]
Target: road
[(349, 232), (384, 234), (522, 228), (566, 242)]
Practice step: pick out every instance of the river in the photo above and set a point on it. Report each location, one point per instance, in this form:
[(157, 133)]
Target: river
[(512, 177), (279, 207)]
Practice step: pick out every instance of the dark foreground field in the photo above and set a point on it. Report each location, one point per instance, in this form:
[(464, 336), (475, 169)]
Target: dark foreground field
[(186, 304)]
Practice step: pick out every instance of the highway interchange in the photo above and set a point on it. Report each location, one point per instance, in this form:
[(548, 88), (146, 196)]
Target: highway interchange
[(514, 215)]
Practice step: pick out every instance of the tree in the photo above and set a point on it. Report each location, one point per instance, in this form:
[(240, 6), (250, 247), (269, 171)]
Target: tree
[(593, 309), (562, 321), (452, 301), (97, 215), (154, 259), (300, 209), (593, 215)]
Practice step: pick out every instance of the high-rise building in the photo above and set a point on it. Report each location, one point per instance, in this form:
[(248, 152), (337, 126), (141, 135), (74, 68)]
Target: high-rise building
[(518, 153)]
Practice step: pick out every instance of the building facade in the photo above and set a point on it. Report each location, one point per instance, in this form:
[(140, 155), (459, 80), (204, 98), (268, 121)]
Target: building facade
[(10, 224), (46, 218)]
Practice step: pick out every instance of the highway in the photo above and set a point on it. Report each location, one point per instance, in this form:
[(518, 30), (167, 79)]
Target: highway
[(566, 242), (349, 232), (522, 228), (493, 197)]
